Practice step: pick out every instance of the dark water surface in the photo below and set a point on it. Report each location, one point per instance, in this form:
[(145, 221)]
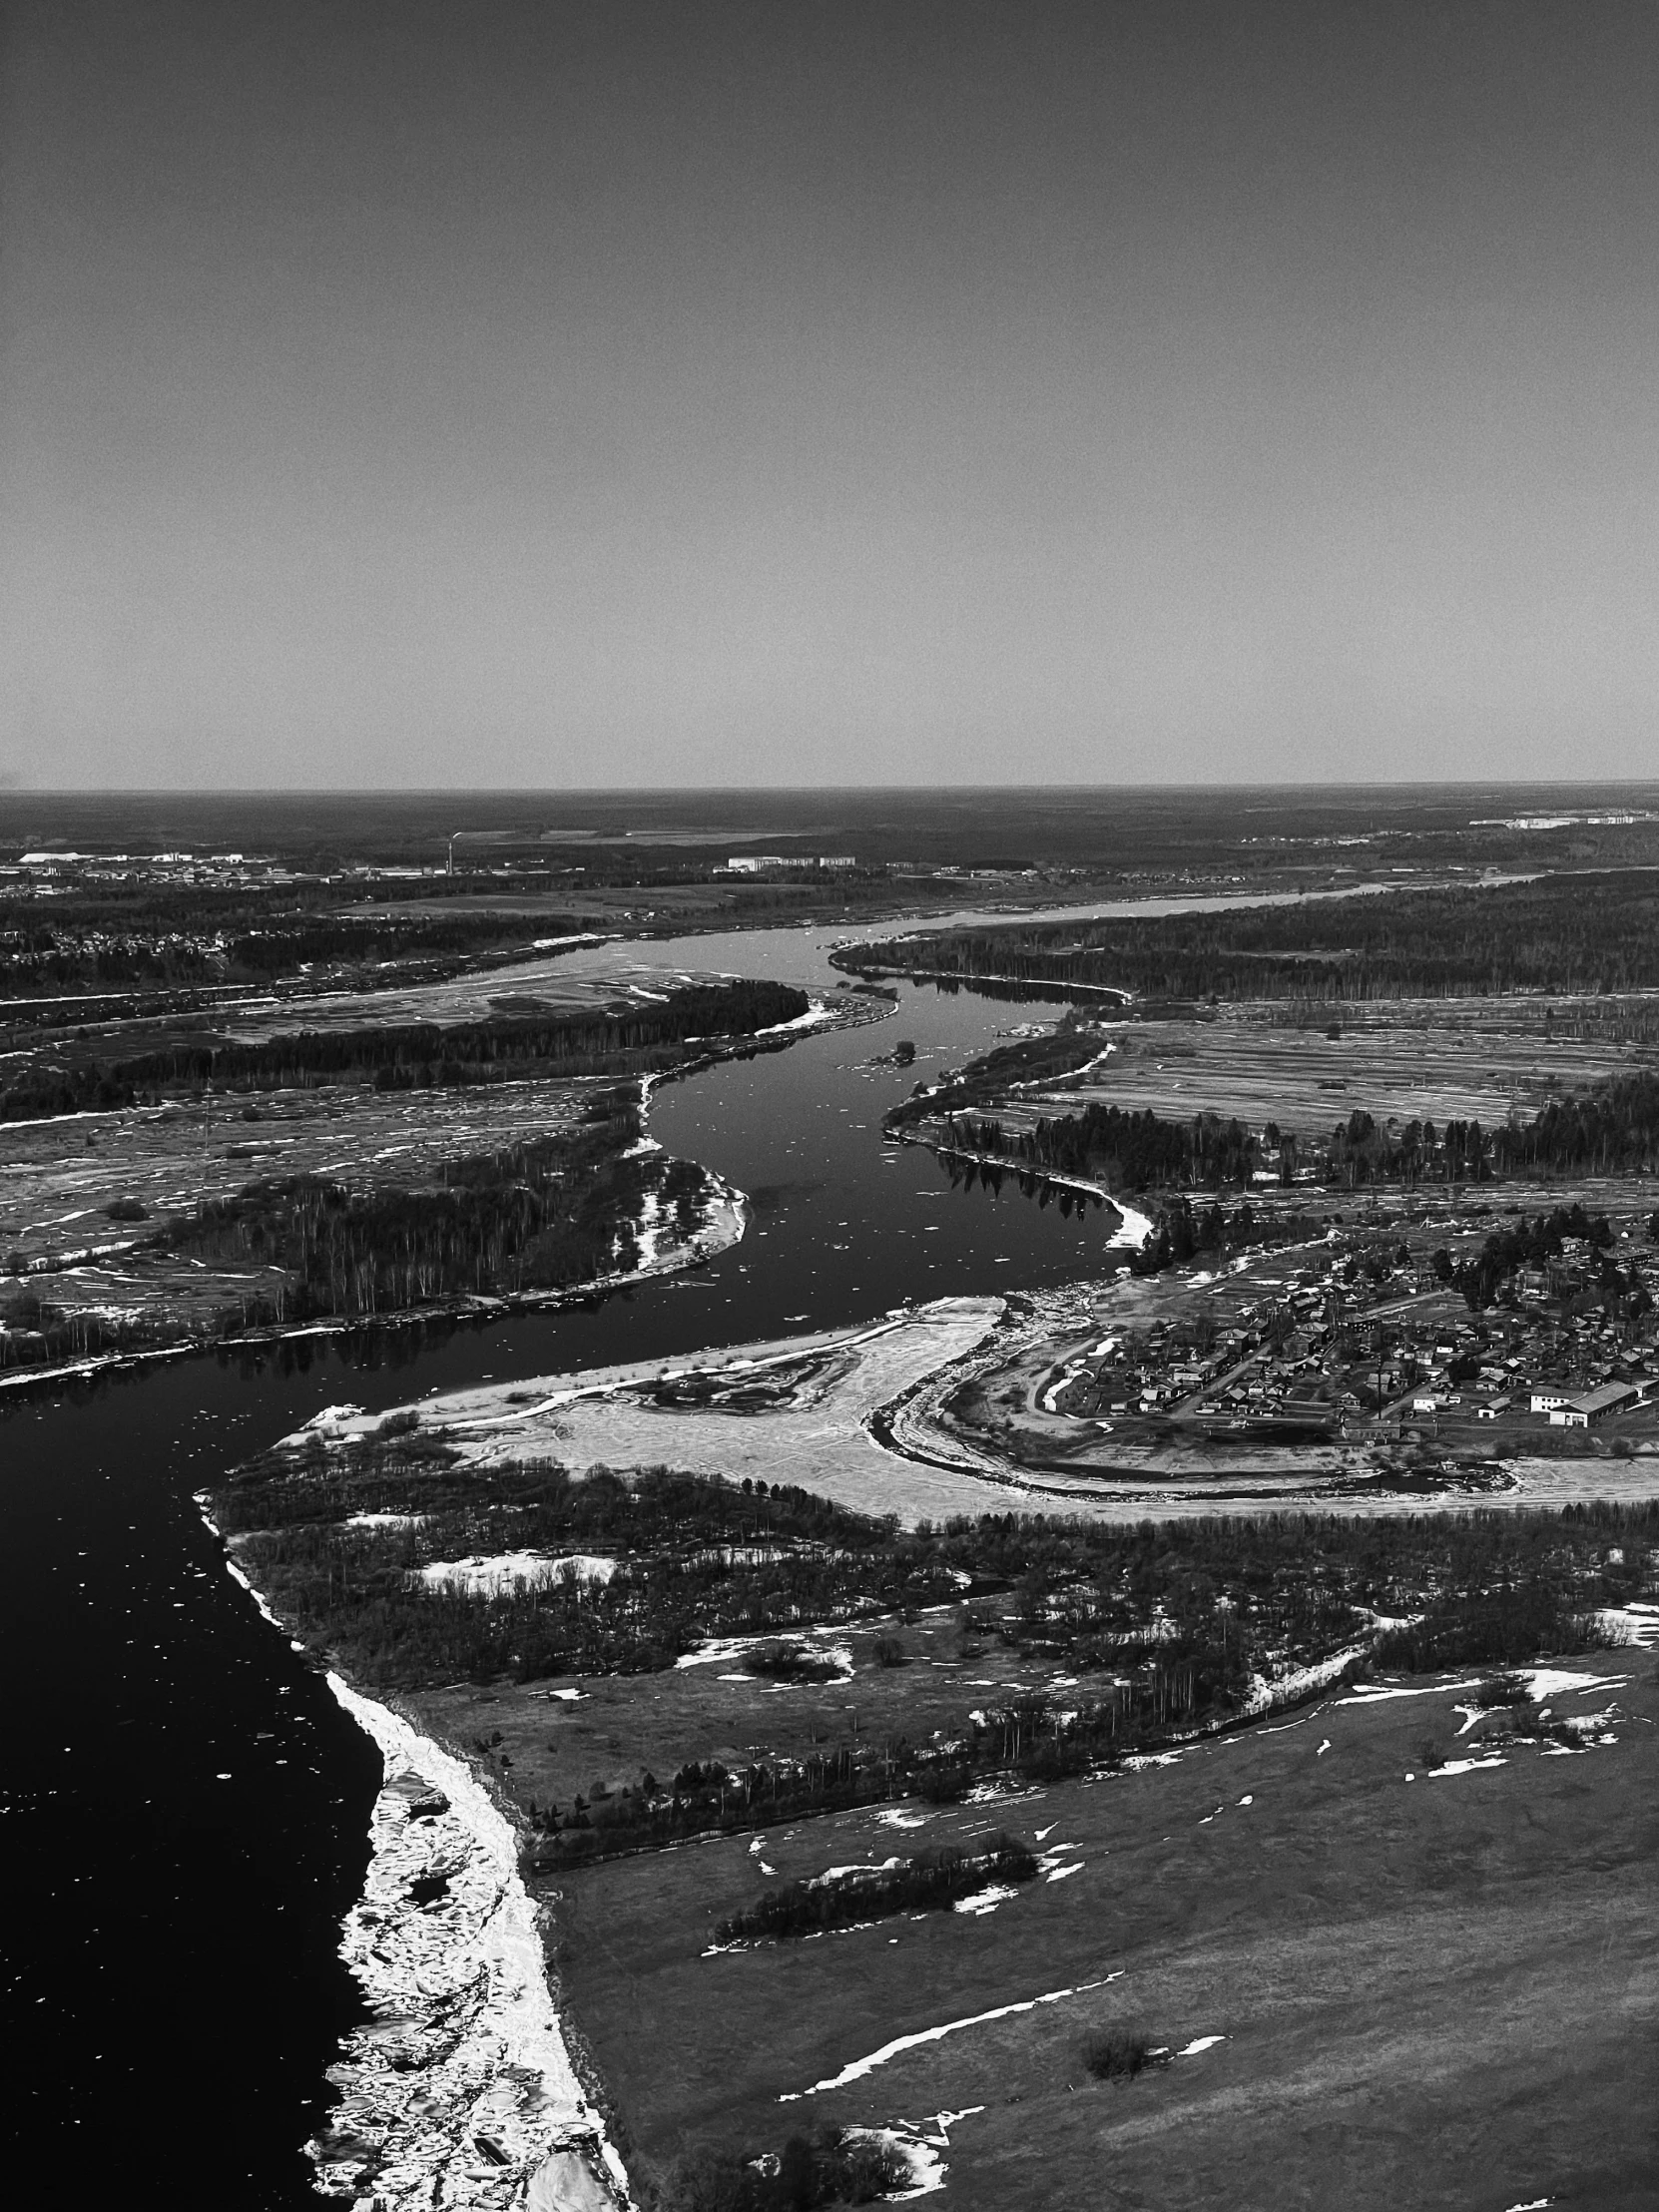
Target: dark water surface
[(182, 1806)]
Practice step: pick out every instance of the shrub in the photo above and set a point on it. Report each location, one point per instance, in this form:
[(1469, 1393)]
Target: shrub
[(943, 1785), (1501, 1689), (1118, 2053), (932, 1879), (791, 1662), (889, 1652)]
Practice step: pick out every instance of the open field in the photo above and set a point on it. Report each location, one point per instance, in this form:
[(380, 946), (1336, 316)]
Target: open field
[(1429, 1992), (1475, 1059), (114, 1287), (59, 1176)]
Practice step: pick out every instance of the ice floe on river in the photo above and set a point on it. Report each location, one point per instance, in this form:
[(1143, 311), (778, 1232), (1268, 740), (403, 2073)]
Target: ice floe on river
[(459, 2092)]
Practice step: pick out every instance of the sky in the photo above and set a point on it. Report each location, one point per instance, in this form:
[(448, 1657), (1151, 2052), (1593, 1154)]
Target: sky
[(483, 394)]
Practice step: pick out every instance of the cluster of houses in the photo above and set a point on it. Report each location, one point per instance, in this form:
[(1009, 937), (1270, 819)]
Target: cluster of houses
[(1351, 1347)]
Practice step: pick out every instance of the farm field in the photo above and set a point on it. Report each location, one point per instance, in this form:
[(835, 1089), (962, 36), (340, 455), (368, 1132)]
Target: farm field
[(61, 1174), (1473, 1059), (1423, 1992)]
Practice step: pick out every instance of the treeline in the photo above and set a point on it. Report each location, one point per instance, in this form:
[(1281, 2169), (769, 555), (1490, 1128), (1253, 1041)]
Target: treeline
[(1182, 1231), (1511, 1623), (1179, 1620), (581, 1040), (102, 943), (1611, 1129), (930, 1882), (1530, 1243), (1127, 1149), (636, 1040), (36, 1331), (1545, 935)]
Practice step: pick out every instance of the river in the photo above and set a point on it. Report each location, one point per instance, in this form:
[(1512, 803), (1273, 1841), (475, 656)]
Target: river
[(184, 1807)]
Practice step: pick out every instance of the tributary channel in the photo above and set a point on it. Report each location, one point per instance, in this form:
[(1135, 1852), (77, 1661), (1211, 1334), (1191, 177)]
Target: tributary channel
[(183, 1805)]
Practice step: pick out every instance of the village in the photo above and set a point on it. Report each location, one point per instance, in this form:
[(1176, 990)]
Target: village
[(1392, 1331)]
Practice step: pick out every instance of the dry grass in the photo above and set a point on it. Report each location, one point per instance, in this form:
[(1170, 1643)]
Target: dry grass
[(1438, 1993)]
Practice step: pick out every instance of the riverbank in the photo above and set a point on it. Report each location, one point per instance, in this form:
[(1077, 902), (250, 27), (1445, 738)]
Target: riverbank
[(461, 2089)]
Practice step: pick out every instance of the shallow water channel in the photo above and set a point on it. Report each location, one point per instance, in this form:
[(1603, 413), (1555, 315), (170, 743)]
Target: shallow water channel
[(182, 1806)]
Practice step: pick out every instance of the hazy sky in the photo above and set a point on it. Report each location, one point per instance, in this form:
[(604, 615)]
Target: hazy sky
[(402, 395)]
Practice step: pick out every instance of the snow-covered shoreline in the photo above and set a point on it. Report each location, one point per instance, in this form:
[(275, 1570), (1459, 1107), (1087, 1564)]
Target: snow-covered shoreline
[(460, 2091)]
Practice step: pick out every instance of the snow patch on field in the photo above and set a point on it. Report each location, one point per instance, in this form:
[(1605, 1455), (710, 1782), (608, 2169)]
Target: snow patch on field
[(1541, 1682), (1464, 1766), (857, 2068), (986, 1900), (719, 1648), (926, 2167), (460, 2088), (495, 1577), (1633, 1624), (1266, 1692)]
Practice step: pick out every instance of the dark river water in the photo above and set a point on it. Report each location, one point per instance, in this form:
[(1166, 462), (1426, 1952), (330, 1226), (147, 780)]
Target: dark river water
[(182, 1806)]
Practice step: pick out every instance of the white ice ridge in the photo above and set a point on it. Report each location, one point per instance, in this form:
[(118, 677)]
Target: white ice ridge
[(460, 2091), (857, 2069)]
